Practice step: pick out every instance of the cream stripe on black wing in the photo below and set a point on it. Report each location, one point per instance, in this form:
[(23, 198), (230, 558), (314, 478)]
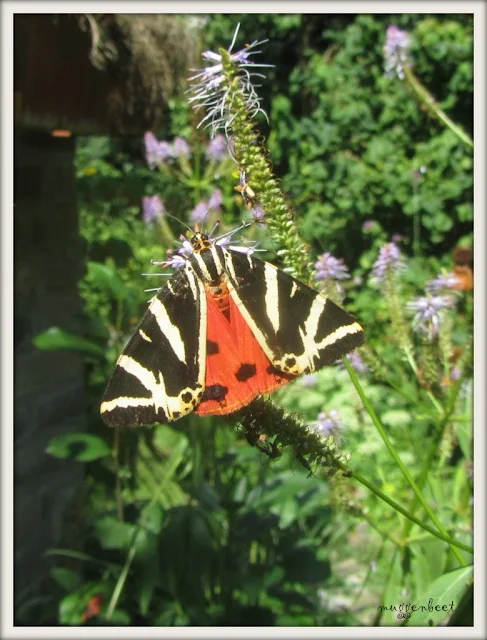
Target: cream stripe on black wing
[(299, 329), (160, 375)]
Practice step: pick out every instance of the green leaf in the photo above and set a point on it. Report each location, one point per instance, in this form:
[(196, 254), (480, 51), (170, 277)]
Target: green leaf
[(396, 418), (420, 570), (83, 447), (114, 534), (440, 598), (108, 279), (67, 579), (56, 338)]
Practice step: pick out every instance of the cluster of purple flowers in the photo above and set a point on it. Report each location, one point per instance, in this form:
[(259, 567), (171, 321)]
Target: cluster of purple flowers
[(158, 152), (218, 148), (203, 208), (428, 311), (328, 423), (356, 361), (330, 268)]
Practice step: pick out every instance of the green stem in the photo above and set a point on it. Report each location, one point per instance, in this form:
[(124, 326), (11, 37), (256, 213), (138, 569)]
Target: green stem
[(400, 463), (416, 221), (397, 507), (426, 98)]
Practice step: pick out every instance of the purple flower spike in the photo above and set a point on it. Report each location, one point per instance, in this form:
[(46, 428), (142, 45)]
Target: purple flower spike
[(330, 268), (390, 259), (181, 148), (215, 200), (200, 212), (153, 208), (396, 51), (210, 85), (156, 152), (442, 282)]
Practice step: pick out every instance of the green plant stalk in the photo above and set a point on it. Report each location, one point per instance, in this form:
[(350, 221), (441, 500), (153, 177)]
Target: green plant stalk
[(251, 158), (400, 463), (397, 507), (121, 580), (380, 610), (427, 99), (133, 548), (118, 484), (402, 331), (432, 452), (379, 553), (416, 221)]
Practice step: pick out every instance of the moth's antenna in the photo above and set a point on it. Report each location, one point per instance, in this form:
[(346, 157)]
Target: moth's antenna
[(215, 226), (244, 225), (180, 221)]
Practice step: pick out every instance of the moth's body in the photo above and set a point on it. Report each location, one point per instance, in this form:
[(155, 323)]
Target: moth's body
[(226, 328)]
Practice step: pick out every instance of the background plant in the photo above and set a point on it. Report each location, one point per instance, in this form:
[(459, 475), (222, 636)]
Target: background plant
[(193, 526)]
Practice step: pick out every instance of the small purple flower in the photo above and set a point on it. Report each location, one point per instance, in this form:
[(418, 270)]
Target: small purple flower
[(368, 224), (215, 200), (200, 212), (258, 214), (156, 152), (396, 238), (396, 51), (328, 422), (309, 380), (455, 374), (390, 259), (429, 310), (356, 361), (152, 207), (218, 148), (442, 282), (181, 148), (330, 268)]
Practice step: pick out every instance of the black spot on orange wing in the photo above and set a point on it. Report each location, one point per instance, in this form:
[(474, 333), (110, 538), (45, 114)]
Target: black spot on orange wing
[(212, 348), (245, 372), (215, 392)]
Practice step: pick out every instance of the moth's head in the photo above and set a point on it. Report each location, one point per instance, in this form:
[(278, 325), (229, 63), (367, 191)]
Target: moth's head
[(199, 241)]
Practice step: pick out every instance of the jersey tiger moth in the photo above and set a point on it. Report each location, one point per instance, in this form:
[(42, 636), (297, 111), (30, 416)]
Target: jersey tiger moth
[(226, 328)]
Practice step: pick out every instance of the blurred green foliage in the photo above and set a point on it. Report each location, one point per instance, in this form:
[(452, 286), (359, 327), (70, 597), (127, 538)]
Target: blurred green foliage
[(188, 524)]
